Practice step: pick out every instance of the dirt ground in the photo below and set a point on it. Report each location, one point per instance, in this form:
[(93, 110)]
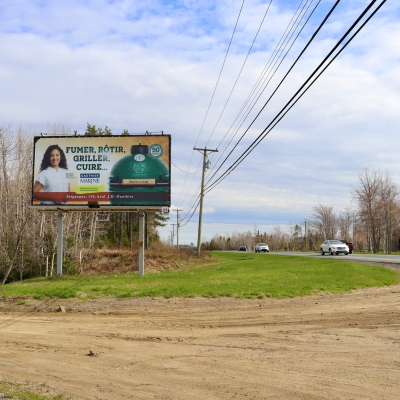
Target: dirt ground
[(320, 347)]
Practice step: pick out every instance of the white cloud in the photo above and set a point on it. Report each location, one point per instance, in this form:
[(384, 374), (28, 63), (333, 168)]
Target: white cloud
[(153, 65)]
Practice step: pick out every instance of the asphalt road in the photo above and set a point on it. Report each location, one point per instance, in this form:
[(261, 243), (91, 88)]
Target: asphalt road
[(378, 258)]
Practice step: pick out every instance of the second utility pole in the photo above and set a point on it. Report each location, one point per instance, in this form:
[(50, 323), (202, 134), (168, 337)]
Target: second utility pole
[(204, 151), (177, 227)]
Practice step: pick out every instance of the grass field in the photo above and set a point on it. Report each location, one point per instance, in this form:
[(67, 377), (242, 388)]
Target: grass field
[(241, 275)]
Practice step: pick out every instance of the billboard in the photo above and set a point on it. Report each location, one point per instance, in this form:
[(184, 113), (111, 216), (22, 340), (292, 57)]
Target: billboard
[(102, 170)]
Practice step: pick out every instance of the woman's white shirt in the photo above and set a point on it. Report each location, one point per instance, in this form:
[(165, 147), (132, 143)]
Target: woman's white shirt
[(54, 181)]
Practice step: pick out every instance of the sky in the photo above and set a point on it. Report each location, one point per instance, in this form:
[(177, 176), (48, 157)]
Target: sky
[(164, 65)]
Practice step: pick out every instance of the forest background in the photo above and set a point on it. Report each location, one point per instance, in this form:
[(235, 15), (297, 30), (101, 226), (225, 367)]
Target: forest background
[(28, 239)]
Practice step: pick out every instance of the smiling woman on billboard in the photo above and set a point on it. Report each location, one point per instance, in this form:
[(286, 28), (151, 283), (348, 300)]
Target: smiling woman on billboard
[(53, 181)]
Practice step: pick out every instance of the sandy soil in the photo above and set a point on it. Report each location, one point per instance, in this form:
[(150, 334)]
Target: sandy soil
[(320, 347)]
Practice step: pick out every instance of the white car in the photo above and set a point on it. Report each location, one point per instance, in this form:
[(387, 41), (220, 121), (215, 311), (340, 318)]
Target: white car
[(334, 247), (261, 247)]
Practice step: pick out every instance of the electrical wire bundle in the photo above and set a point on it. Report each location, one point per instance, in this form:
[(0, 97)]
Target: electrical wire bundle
[(359, 23)]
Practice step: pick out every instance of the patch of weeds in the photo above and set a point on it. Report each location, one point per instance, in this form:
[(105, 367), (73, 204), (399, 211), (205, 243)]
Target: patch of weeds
[(66, 293), (19, 391), (125, 295)]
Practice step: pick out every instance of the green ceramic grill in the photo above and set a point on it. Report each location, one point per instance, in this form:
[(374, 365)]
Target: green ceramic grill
[(139, 178)]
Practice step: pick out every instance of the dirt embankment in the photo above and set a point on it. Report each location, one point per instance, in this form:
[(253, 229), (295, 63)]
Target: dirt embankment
[(319, 347), (103, 261), (330, 346)]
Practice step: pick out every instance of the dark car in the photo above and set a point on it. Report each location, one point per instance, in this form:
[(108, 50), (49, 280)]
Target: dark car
[(242, 248), (349, 245)]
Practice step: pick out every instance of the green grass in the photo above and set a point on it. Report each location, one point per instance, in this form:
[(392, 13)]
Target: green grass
[(18, 391), (233, 274)]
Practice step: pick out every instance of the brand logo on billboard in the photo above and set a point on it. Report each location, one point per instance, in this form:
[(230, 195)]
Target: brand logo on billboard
[(156, 150), (89, 179)]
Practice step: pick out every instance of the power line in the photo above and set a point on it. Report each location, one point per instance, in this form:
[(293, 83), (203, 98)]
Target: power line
[(268, 63), (241, 69), (212, 97), (186, 172), (283, 79), (220, 73), (271, 59), (191, 215), (244, 223), (267, 67), (267, 130), (248, 53), (261, 90)]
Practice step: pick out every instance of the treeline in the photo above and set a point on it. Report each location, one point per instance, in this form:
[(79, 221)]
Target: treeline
[(277, 240), (371, 222), (28, 238)]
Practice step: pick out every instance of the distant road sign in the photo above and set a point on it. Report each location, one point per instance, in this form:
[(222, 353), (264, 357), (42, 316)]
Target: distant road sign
[(103, 217)]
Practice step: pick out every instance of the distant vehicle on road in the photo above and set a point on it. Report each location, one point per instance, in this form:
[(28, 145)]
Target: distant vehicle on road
[(349, 245), (261, 247), (242, 248), (334, 247)]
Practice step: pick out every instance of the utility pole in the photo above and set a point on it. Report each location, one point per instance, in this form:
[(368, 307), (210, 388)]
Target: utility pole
[(206, 164), (177, 227), (173, 233), (305, 234)]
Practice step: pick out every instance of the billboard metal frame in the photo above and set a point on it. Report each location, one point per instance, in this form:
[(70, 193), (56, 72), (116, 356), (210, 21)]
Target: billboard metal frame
[(95, 207)]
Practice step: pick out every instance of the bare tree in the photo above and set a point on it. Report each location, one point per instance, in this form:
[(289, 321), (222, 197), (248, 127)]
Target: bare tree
[(324, 220), (389, 197), (376, 198), (15, 161), (345, 220)]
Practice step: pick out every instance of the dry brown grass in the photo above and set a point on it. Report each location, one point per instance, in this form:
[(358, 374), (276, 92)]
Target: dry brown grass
[(107, 261)]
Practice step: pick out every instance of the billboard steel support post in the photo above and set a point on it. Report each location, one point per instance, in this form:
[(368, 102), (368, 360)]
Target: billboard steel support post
[(60, 242), (204, 151), (141, 243)]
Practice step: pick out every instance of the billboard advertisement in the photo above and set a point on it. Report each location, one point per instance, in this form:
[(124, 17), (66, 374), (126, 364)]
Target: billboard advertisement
[(103, 170)]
